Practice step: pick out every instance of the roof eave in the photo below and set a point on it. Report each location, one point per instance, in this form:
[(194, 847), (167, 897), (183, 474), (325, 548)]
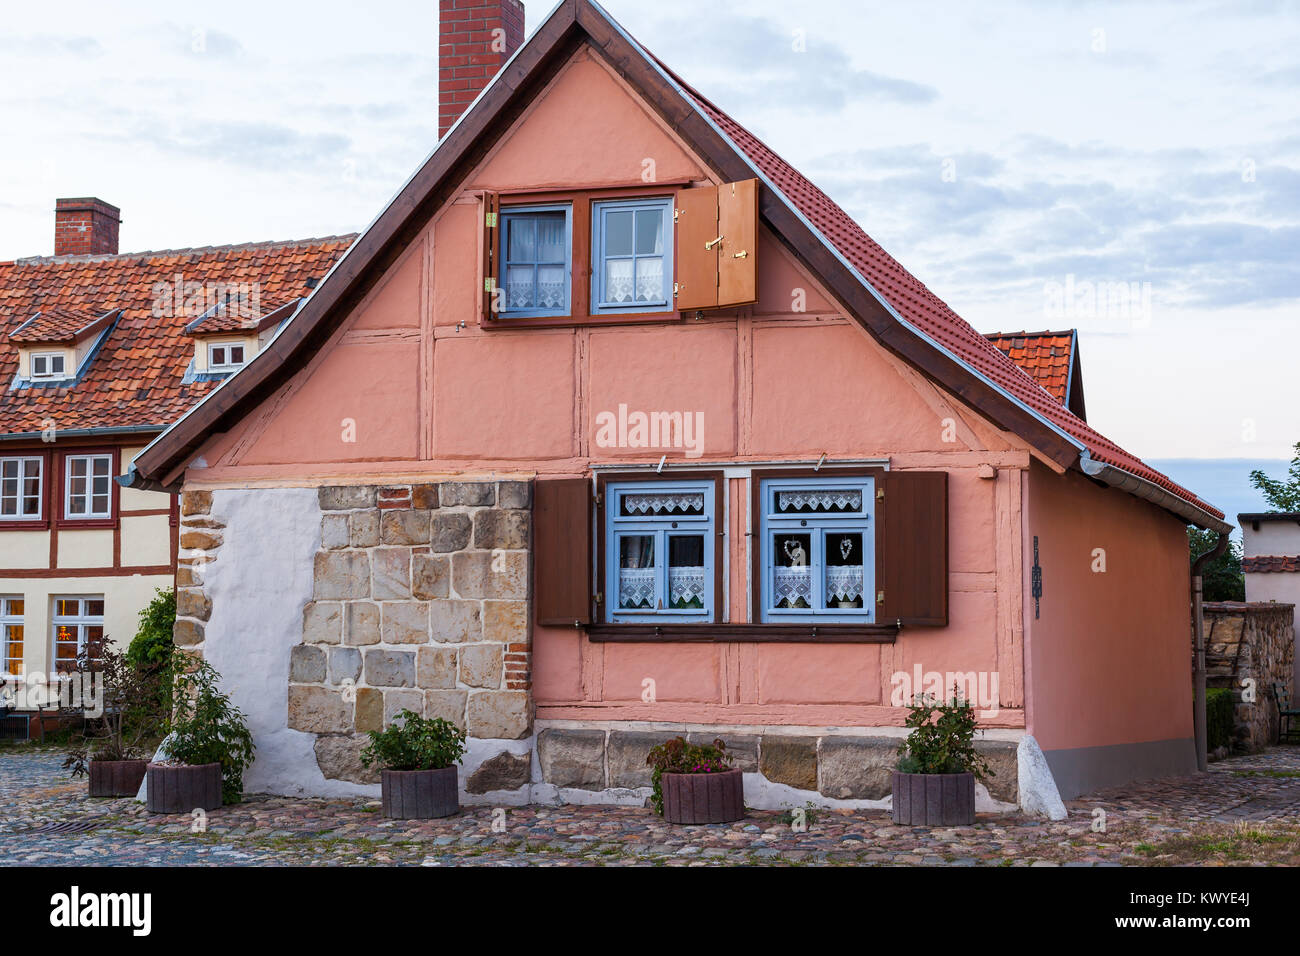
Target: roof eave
[(1150, 491)]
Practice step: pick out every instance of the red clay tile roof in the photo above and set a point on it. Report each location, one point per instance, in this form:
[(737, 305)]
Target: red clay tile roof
[(920, 307), (231, 318), (135, 377), (1265, 563), (55, 325), (1046, 356)]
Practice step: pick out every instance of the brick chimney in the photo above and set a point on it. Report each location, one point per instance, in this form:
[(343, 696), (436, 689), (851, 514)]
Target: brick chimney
[(85, 227), (475, 37)]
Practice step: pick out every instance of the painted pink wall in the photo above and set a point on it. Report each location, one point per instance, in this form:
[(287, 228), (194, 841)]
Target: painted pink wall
[(431, 393), (1109, 658)]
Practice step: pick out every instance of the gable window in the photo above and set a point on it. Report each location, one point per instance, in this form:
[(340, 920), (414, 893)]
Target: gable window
[(631, 257), (818, 549), (48, 365), (11, 635), (89, 486), (20, 489), (225, 356), (78, 623), (535, 260), (659, 550)]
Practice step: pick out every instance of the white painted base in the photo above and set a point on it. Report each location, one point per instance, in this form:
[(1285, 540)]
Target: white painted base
[(1038, 794)]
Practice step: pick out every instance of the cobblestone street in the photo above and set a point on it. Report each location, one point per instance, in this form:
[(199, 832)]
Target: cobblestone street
[(1245, 810)]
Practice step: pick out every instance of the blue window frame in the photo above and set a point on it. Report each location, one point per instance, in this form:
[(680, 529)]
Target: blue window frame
[(536, 260), (818, 549), (659, 550), (631, 256)]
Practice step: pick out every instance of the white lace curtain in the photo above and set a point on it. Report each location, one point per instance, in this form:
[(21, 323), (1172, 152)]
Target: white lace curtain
[(652, 503), (819, 500)]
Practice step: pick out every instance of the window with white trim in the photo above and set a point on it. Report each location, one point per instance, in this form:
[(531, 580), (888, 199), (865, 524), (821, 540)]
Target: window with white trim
[(535, 260), (659, 550), (20, 489), (631, 256), (78, 621), (11, 635), (818, 549), (225, 356), (48, 365), (88, 486)]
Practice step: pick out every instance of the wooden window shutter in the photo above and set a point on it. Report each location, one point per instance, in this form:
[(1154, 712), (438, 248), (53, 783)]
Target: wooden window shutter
[(491, 269), (562, 551), (912, 547), (737, 257), (697, 253)]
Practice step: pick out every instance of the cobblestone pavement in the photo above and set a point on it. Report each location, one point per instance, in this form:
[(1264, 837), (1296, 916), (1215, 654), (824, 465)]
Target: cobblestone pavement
[(1196, 811)]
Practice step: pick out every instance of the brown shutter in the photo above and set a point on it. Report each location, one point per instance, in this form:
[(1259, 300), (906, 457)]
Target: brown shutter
[(912, 547), (737, 259), (491, 271), (697, 266), (562, 551)]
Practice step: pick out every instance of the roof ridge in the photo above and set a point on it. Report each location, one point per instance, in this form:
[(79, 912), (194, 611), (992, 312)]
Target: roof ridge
[(186, 250)]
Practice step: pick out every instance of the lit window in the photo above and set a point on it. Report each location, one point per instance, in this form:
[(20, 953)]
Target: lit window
[(227, 355), (659, 550), (48, 365), (632, 256), (818, 549), (535, 261), (78, 624), (11, 635), (89, 486), (20, 489)]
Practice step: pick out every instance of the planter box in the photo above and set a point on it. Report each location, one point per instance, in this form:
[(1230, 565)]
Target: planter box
[(420, 794), (116, 778), (703, 797), (934, 799), (183, 789)]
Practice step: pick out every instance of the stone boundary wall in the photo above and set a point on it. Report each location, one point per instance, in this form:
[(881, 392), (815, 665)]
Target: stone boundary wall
[(1250, 641), (837, 767)]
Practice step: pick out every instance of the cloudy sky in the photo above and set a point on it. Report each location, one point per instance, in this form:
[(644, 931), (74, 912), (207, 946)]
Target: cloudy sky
[(1015, 156)]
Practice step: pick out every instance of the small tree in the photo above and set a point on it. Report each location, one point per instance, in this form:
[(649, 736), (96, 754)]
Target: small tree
[(1281, 495), (1221, 579)]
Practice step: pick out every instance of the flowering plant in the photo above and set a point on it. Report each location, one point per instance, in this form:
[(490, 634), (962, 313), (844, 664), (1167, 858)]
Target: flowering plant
[(678, 756)]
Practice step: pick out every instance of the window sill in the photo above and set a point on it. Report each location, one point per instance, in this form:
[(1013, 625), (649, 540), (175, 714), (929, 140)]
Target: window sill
[(744, 633), (570, 321), (35, 524), (83, 524)]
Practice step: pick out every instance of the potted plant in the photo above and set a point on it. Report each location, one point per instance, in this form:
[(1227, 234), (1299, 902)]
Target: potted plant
[(934, 784), (418, 757), (208, 746), (116, 735), (695, 783)]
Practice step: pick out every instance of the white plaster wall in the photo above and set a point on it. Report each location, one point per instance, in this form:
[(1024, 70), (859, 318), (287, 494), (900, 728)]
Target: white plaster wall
[(146, 541), (86, 549), (1273, 537), (259, 583)]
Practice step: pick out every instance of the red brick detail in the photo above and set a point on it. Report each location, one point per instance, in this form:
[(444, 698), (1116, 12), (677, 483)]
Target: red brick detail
[(1269, 563), (394, 499), (475, 38), (85, 227)]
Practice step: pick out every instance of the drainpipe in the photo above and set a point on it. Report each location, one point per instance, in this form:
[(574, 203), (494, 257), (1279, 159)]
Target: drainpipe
[(1198, 669)]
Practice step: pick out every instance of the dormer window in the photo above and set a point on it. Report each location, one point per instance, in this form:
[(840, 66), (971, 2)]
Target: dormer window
[(47, 366), (225, 356)]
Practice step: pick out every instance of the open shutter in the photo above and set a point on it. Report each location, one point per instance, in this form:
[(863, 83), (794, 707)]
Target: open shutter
[(912, 547), (562, 551), (491, 269), (737, 258), (697, 252)]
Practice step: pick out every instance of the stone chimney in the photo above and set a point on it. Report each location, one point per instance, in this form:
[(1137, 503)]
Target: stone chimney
[(475, 37), (85, 227)]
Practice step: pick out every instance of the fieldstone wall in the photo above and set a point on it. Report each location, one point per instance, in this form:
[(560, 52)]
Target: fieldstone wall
[(835, 766), (200, 538), (421, 598), (1256, 642)]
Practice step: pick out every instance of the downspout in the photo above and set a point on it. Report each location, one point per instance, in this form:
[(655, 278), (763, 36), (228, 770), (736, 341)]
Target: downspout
[(1198, 668)]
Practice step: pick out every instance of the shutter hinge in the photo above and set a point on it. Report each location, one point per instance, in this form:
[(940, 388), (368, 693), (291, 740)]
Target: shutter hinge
[(490, 220), (880, 597), (675, 214), (880, 494), (596, 497), (489, 284), (676, 289), (599, 598)]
